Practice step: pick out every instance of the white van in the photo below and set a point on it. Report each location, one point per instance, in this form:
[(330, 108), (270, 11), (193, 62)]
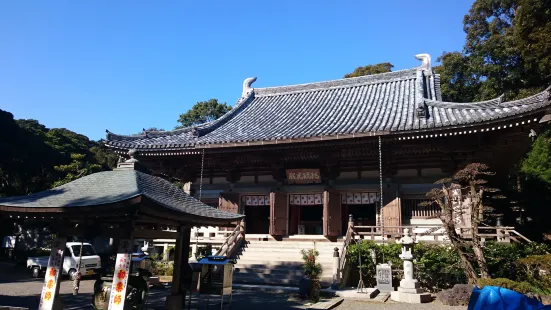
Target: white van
[(91, 262)]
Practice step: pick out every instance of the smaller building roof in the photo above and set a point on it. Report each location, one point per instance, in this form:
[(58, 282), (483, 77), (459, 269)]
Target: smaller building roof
[(110, 187)]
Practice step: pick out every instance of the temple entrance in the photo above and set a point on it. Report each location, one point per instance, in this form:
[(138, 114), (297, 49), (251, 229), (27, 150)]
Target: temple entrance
[(257, 212), (362, 206), (306, 214)]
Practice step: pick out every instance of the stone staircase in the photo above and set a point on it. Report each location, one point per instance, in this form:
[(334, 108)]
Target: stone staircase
[(280, 262)]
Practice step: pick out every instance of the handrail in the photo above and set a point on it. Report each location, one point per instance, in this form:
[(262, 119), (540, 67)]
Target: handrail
[(343, 271), (344, 248), (228, 245), (520, 235)]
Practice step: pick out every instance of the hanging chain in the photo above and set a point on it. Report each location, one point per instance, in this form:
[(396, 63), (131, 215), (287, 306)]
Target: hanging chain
[(381, 213), (201, 179)]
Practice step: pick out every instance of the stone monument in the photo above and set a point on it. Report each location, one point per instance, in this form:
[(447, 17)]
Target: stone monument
[(384, 278), (409, 290)]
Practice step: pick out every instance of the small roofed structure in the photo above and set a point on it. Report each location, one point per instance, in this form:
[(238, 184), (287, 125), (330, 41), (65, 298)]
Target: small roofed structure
[(123, 204)]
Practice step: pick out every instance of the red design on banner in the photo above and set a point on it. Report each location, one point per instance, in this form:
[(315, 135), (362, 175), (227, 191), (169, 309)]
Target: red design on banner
[(50, 284), (53, 272), (119, 287), (48, 296), (121, 275), (118, 299)]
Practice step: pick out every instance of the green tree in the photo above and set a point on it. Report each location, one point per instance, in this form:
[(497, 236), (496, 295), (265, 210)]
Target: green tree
[(78, 168), (371, 69), (33, 157), (461, 83), (202, 112), (507, 51), (537, 164)]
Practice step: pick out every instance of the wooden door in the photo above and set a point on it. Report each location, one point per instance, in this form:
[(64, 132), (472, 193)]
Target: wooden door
[(392, 215), (332, 213), (229, 202), (279, 210)]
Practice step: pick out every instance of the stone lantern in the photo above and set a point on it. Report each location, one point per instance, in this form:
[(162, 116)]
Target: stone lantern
[(409, 290)]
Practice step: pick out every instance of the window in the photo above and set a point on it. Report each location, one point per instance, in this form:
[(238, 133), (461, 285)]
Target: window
[(411, 208), (87, 250)]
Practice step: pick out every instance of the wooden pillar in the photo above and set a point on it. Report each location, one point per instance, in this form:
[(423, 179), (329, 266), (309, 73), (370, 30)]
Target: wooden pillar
[(295, 219), (181, 276), (332, 224), (279, 212), (229, 202)]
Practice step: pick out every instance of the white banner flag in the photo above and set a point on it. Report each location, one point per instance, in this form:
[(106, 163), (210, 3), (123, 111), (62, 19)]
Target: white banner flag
[(51, 279)]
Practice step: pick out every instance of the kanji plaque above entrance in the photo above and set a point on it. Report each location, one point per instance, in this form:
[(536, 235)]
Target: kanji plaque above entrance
[(303, 176)]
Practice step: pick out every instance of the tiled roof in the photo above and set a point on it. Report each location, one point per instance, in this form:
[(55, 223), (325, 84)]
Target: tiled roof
[(115, 186), (395, 102)]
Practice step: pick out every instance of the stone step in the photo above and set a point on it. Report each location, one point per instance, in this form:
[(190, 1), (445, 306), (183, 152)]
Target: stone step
[(260, 259), (296, 243), (274, 271), (277, 272), (290, 248), (267, 265), (253, 279)]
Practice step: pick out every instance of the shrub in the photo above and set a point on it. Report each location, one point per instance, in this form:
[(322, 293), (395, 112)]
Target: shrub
[(536, 270), (521, 287), (383, 253), (437, 266), (311, 268), (162, 268)]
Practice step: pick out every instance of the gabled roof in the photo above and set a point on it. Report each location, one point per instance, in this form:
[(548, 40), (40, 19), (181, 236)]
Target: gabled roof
[(110, 187), (389, 103)]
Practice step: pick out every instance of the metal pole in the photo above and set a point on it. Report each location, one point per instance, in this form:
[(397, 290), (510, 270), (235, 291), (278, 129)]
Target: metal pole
[(361, 282)]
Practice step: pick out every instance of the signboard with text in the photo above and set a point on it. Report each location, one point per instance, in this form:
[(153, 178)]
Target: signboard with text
[(303, 176), (120, 278), (51, 279)]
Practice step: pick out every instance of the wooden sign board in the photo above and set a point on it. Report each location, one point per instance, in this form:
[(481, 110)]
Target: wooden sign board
[(303, 176)]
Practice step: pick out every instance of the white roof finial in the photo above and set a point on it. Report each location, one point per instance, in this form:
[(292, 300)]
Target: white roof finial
[(247, 86), (425, 58)]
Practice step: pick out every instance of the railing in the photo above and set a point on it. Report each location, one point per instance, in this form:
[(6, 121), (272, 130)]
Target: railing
[(233, 242), (423, 233)]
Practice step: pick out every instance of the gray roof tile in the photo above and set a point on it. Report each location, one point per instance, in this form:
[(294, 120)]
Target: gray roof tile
[(380, 103), (115, 186)]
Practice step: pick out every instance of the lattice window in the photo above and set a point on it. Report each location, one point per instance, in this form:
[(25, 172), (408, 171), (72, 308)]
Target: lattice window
[(411, 208)]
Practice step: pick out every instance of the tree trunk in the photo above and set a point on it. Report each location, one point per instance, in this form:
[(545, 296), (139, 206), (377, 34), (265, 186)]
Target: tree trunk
[(458, 244), (476, 209)]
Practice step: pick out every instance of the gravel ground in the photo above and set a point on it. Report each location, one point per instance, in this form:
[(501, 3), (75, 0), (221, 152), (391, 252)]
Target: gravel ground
[(350, 304), (17, 288)]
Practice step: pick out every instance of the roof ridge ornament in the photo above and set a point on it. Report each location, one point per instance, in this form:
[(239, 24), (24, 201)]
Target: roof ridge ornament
[(132, 153), (425, 61), (247, 89)]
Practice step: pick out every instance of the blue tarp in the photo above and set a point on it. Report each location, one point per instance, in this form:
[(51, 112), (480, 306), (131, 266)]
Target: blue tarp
[(498, 298)]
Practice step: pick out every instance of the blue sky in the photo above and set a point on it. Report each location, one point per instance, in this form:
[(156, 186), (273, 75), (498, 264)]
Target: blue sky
[(125, 65)]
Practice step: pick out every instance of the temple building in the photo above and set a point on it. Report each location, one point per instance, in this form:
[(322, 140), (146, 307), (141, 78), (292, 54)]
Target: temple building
[(298, 159)]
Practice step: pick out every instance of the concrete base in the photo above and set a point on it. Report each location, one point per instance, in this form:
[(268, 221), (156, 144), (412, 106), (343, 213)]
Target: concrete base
[(174, 302), (410, 298), (410, 290), (368, 293)]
